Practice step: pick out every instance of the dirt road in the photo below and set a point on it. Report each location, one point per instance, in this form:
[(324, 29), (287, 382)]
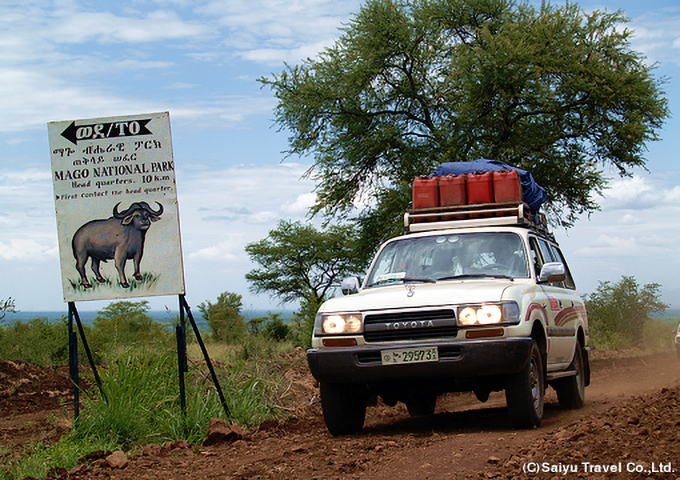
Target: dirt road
[(631, 422)]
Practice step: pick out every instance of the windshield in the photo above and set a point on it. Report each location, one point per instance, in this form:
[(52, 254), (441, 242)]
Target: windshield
[(446, 257)]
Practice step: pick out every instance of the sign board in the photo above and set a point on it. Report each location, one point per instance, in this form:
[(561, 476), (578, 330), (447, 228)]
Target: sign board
[(116, 204)]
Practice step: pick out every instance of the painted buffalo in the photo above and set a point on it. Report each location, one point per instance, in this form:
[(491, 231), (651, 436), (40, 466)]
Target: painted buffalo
[(118, 238)]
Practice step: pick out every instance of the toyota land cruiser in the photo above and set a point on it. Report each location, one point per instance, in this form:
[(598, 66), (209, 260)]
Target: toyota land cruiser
[(484, 303)]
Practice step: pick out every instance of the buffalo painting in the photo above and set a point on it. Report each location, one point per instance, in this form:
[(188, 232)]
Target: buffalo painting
[(118, 238)]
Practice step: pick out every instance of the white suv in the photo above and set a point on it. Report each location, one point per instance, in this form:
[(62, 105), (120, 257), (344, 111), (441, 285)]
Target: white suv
[(482, 304)]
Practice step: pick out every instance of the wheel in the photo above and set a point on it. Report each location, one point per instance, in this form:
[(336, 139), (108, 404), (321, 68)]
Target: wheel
[(422, 406), (344, 407), (525, 391), (571, 391)]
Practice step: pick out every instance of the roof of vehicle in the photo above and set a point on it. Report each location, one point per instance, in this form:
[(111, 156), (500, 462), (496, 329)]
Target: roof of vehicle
[(481, 215)]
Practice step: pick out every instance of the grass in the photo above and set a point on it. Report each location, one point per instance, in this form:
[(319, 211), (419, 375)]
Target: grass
[(41, 458), (250, 347), (147, 281), (140, 405)]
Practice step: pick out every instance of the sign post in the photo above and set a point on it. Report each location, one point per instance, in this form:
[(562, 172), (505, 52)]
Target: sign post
[(117, 217), (116, 204)]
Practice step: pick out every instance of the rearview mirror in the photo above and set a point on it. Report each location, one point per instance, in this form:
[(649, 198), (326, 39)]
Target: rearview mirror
[(553, 272), (350, 285)]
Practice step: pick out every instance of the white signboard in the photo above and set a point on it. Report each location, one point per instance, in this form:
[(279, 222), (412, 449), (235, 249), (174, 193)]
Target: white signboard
[(116, 203)]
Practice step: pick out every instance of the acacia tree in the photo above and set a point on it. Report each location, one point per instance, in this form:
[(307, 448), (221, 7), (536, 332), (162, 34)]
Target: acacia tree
[(414, 83), (224, 316), (127, 322), (620, 310), (299, 262)]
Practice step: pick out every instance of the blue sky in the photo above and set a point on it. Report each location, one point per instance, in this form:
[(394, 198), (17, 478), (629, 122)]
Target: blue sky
[(199, 60)]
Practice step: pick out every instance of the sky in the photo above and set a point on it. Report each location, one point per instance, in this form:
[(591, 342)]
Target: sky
[(200, 60)]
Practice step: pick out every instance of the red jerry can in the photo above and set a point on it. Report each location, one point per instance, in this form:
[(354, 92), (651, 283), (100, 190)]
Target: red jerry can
[(506, 186), (479, 190), (452, 192), (426, 194)]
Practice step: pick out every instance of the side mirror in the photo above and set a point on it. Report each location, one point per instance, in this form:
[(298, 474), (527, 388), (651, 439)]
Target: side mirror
[(553, 272), (350, 285)]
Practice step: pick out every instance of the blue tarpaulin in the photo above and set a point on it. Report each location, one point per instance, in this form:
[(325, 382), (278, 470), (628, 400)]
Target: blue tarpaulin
[(534, 194)]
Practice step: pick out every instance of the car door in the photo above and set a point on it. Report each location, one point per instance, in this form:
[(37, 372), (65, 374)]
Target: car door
[(561, 306)]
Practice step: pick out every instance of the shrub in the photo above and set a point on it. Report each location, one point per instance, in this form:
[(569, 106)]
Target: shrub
[(38, 341)]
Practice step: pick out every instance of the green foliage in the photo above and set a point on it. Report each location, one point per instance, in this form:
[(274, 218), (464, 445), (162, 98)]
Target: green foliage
[(411, 84), (659, 333), (224, 317), (276, 328), (253, 347), (141, 395), (120, 325), (304, 326), (141, 405), (254, 325), (299, 262), (620, 314), (136, 392), (7, 306), (254, 389), (38, 342), (295, 330), (41, 458), (126, 322)]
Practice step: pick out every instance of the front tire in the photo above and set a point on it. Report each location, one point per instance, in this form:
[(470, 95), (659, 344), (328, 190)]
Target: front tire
[(571, 391), (344, 407), (525, 392)]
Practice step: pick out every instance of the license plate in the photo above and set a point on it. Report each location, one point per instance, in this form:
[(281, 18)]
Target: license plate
[(410, 355)]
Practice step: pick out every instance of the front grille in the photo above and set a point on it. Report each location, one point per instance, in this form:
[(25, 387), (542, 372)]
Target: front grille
[(410, 325)]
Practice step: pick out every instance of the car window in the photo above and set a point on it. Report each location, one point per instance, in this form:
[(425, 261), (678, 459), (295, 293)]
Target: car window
[(569, 281), (535, 256), (437, 257), (546, 251)]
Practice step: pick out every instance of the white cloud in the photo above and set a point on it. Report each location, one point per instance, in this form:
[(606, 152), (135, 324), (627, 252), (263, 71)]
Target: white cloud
[(607, 246), (102, 26), (635, 234), (277, 56), (26, 250), (301, 205), (274, 31), (629, 219), (639, 192), (221, 251), (225, 209), (657, 35)]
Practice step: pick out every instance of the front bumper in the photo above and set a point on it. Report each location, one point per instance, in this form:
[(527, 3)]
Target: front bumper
[(468, 359)]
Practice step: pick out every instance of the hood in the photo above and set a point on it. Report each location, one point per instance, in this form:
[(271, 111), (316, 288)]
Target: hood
[(424, 295)]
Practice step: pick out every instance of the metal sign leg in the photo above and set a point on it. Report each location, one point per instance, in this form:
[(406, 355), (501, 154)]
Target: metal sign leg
[(73, 362), (73, 357), (184, 306)]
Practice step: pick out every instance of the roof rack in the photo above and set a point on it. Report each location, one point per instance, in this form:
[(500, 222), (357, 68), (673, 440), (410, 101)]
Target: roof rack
[(480, 215)]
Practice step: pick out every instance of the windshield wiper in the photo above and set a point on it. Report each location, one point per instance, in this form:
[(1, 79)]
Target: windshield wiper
[(402, 280), (419, 280), (475, 275)]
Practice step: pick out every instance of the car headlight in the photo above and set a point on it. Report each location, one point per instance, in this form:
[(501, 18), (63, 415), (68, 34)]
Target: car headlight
[(488, 314), (338, 323)]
